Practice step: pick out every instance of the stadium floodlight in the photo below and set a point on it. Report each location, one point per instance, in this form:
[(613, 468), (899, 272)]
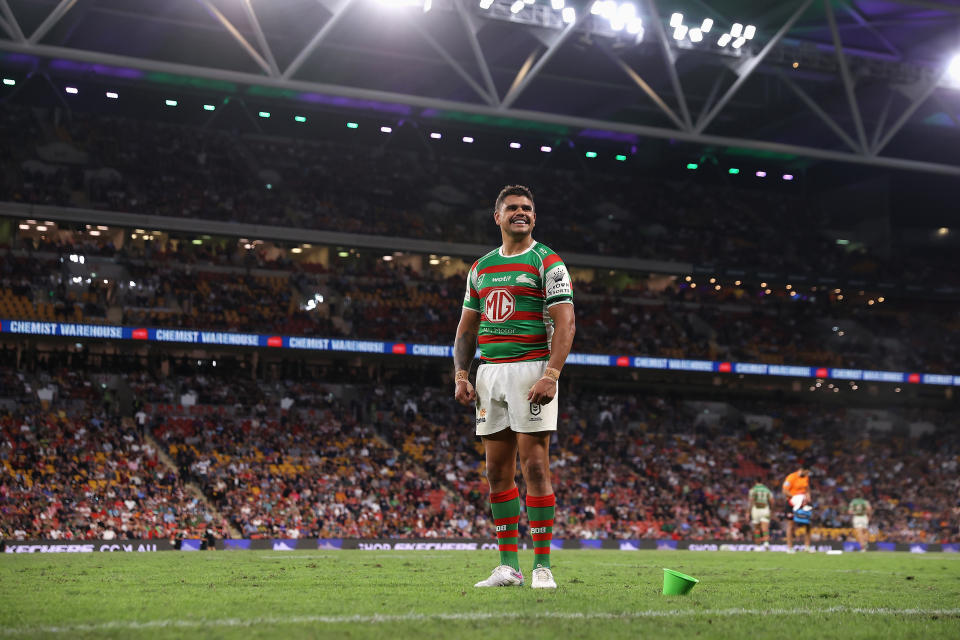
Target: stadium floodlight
[(733, 171), (170, 103), (386, 129), (514, 145), (635, 26), (529, 1), (435, 135), (597, 7), (676, 20), (953, 70), (788, 177), (620, 157), (696, 35), (609, 9), (517, 6), (749, 31), (706, 25), (556, 5), (197, 241), (617, 23), (591, 154), (736, 30), (739, 42), (692, 165), (113, 95), (468, 139), (761, 174), (209, 107), (680, 32), (296, 250), (353, 125), (264, 114), (71, 90), (9, 82), (300, 119), (569, 15), (724, 40), (546, 149), (943, 231), (486, 4)]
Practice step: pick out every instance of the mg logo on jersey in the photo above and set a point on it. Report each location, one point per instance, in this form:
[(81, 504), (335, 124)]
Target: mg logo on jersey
[(500, 305)]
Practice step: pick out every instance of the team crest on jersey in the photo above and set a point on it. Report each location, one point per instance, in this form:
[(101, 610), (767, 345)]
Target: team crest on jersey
[(499, 305), (525, 279)]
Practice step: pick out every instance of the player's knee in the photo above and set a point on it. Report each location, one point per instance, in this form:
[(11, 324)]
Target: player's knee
[(536, 473), (498, 474)]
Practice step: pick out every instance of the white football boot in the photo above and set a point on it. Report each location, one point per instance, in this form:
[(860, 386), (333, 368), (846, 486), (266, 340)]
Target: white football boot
[(543, 579), (503, 576)]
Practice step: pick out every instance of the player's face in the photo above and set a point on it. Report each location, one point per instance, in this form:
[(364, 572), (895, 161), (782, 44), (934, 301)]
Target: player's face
[(516, 216)]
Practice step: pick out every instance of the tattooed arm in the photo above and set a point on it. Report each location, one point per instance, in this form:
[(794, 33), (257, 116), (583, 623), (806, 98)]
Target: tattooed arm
[(464, 346)]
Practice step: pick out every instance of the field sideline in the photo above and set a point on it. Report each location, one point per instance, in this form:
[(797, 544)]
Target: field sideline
[(369, 594)]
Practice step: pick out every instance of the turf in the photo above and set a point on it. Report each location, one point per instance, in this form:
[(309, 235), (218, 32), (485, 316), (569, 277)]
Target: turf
[(373, 594)]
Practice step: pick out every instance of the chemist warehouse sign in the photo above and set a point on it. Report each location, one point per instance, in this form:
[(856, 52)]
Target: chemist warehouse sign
[(221, 338)]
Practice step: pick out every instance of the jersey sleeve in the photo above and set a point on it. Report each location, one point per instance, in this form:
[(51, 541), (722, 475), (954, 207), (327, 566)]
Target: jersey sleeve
[(557, 286), (471, 297)]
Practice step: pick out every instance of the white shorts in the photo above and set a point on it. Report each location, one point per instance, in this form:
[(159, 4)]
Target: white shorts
[(759, 514), (502, 399), (860, 522)]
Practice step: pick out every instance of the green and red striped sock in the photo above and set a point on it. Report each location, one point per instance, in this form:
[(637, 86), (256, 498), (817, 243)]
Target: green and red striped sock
[(506, 514), (540, 512)]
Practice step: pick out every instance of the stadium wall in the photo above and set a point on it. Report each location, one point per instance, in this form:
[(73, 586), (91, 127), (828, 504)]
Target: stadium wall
[(415, 544)]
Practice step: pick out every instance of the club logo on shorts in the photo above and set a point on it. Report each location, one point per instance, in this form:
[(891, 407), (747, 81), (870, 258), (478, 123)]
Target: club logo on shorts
[(534, 409), (500, 305), (481, 416)]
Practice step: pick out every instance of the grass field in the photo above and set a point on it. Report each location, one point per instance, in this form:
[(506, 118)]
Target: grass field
[(367, 594)]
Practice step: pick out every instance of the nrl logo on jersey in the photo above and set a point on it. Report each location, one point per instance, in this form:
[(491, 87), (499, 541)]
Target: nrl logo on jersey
[(525, 279)]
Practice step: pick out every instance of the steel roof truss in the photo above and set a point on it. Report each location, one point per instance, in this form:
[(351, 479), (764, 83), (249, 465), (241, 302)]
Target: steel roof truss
[(823, 115), (471, 27), (232, 30), (669, 59), (261, 38), (338, 12), (11, 25), (640, 82), (747, 68), (521, 83), (51, 20), (456, 66), (918, 100), (848, 86)]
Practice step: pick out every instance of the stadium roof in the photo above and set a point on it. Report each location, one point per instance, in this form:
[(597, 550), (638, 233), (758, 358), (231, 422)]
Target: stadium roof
[(874, 82)]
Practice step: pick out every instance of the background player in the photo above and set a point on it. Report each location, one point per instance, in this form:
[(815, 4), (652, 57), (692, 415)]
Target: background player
[(861, 510), (802, 520), (796, 484), (760, 498), (519, 307)]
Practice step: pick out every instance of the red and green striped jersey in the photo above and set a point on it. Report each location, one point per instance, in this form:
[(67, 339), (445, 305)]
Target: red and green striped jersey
[(512, 294)]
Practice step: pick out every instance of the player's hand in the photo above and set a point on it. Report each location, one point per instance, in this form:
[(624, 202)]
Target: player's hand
[(465, 394), (543, 391)]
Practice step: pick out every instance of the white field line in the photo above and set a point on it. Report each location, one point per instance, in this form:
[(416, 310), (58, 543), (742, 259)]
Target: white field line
[(377, 619)]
